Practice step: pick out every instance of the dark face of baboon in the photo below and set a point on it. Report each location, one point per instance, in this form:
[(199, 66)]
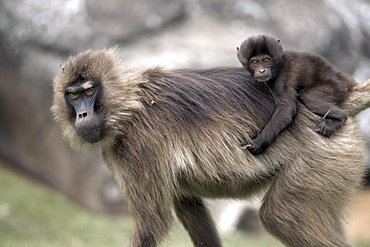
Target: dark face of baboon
[(260, 66), (260, 55), (84, 101), (86, 111)]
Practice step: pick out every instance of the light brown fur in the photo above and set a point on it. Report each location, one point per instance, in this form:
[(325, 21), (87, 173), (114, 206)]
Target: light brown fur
[(173, 137)]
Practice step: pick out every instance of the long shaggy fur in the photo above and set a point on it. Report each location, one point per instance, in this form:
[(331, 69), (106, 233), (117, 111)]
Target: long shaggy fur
[(173, 137)]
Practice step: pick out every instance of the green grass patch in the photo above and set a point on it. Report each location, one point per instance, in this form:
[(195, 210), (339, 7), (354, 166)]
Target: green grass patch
[(35, 216), (32, 215)]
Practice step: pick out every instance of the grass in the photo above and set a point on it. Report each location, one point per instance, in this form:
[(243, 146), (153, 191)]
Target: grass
[(34, 216), (31, 215)]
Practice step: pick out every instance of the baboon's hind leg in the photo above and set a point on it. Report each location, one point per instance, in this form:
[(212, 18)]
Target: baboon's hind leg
[(305, 205)]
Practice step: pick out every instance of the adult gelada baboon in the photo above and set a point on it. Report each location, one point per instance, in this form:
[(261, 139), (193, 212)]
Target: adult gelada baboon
[(172, 137)]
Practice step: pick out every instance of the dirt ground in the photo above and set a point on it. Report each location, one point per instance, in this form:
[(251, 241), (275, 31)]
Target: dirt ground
[(359, 223)]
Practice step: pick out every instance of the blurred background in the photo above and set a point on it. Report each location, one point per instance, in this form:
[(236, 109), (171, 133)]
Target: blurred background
[(50, 194)]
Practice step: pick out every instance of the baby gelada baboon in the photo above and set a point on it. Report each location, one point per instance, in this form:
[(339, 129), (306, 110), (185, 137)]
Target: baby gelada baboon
[(172, 137), (293, 76)]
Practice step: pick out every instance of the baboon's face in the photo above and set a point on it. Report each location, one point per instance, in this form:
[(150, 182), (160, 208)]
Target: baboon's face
[(261, 55), (261, 67), (83, 99)]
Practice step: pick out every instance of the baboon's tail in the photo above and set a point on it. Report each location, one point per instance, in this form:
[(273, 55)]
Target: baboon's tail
[(358, 99)]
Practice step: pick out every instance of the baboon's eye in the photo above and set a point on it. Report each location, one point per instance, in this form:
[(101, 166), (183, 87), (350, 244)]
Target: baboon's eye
[(90, 91), (72, 95)]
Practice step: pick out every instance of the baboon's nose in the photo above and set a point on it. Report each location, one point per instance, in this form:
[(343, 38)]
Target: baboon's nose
[(82, 114)]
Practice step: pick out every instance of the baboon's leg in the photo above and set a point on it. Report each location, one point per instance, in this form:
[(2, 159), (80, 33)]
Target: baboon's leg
[(151, 225), (322, 103), (151, 211), (197, 221), (141, 238), (305, 204), (330, 124)]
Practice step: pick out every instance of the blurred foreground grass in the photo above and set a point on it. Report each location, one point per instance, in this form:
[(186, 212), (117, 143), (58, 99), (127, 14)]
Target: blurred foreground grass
[(35, 216)]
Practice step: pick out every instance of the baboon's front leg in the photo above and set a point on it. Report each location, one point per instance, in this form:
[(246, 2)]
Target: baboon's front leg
[(197, 221)]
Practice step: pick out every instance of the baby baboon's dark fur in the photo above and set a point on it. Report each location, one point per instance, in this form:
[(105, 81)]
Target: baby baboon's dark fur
[(293, 76), (171, 138)]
